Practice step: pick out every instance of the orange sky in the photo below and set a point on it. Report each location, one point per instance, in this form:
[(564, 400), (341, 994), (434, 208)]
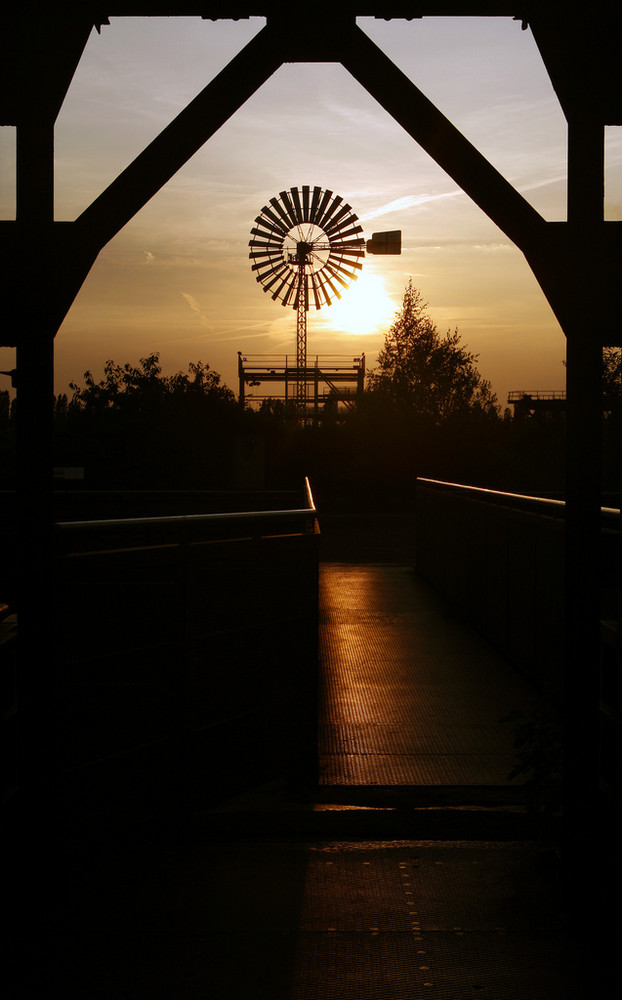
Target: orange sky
[(177, 280)]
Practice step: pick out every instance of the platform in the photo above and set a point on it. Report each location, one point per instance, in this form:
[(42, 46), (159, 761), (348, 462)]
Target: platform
[(410, 696), (404, 874)]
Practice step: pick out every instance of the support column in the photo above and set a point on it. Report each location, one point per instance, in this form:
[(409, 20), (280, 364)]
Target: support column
[(583, 502), (584, 343), (39, 830), (35, 170)]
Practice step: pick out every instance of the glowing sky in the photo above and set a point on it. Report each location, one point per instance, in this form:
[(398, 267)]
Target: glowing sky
[(177, 279)]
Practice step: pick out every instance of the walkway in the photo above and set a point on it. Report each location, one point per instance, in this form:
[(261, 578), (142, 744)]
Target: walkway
[(400, 879), (410, 697)]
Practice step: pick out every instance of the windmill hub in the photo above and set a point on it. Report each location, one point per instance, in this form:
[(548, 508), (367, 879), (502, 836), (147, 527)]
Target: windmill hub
[(302, 252)]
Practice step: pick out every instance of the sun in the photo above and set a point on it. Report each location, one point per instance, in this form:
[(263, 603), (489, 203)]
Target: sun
[(364, 307)]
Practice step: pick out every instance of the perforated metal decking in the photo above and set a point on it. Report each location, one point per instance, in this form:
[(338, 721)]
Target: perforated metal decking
[(409, 697), (270, 906)]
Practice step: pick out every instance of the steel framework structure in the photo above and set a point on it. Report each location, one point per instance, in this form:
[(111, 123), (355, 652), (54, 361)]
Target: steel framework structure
[(42, 43), (334, 372)]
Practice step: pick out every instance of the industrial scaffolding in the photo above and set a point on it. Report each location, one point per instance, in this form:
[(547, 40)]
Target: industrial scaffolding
[(337, 380)]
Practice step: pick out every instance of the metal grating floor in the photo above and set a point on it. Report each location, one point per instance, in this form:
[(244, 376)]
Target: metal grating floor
[(295, 920), (423, 921), (408, 696)]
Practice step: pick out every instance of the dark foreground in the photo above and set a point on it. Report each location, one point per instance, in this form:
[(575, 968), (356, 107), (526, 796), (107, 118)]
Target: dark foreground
[(412, 871)]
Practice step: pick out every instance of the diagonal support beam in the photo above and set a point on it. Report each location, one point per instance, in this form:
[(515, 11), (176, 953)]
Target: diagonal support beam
[(180, 140), (445, 144)]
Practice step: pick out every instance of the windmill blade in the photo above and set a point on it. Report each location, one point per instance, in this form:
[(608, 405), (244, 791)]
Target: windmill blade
[(339, 219), (338, 261), (335, 274), (266, 235), (332, 208), (268, 285), (347, 237), (321, 207), (317, 192), (276, 269), (265, 259), (322, 283), (343, 233), (335, 291), (315, 289), (296, 200), (264, 267), (266, 263), (342, 224), (286, 281), (289, 208), (271, 254), (305, 202), (265, 246), (341, 274), (349, 246), (339, 245), (276, 204), (293, 288), (274, 218), (276, 227), (265, 250)]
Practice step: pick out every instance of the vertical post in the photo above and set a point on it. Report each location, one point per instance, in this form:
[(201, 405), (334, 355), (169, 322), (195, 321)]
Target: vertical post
[(316, 392), (583, 525), (241, 381), (360, 380), (35, 169), (583, 502), (586, 169), (37, 673), (37, 685)]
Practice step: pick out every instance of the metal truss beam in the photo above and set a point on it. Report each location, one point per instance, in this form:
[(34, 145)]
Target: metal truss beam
[(180, 140)]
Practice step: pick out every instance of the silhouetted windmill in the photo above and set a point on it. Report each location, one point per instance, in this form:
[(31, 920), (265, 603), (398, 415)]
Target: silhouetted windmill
[(305, 244)]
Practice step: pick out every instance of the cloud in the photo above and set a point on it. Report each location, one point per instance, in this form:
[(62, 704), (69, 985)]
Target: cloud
[(408, 201), (196, 308)]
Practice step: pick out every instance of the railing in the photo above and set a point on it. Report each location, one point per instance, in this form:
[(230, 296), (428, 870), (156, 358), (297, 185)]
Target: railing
[(499, 559), (187, 650), (548, 506), (186, 529), (516, 395)]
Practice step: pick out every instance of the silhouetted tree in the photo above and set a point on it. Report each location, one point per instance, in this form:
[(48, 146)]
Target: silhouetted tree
[(136, 427), (612, 379), (127, 385), (430, 375), (612, 422)]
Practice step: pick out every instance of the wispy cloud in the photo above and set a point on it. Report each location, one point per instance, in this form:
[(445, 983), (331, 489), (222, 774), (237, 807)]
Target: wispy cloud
[(196, 308), (408, 201)]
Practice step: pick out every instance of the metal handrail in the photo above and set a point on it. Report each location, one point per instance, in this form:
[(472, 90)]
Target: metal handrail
[(556, 508), (172, 519), (185, 522), (517, 395)]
